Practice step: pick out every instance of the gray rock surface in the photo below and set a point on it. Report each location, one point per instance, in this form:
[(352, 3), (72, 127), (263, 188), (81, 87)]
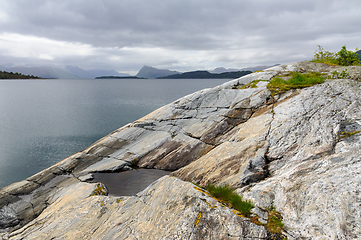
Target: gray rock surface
[(297, 153), (314, 165), (167, 209)]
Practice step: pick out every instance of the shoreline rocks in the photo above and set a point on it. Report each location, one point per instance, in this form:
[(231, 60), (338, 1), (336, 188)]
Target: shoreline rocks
[(297, 152)]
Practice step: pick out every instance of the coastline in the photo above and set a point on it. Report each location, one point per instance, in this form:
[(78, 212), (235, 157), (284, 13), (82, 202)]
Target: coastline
[(266, 147)]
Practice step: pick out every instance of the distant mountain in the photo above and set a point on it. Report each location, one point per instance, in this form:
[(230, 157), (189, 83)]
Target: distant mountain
[(150, 72), (43, 72), (118, 77), (206, 74), (222, 70), (65, 72), (79, 72), (359, 54), (257, 68), (74, 72)]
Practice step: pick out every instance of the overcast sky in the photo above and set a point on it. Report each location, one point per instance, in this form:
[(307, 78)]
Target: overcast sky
[(181, 35)]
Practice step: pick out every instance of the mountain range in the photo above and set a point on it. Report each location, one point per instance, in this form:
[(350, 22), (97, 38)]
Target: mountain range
[(93, 73), (207, 75), (64, 72), (151, 72), (252, 69), (75, 72)]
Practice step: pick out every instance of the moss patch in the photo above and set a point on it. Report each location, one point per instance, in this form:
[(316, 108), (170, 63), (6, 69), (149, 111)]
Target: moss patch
[(294, 80), (275, 224), (252, 84), (255, 220)]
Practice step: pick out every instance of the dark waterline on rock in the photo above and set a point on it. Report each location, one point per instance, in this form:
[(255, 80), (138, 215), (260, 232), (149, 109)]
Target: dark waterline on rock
[(128, 183)]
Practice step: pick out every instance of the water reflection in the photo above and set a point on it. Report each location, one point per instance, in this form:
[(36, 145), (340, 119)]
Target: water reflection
[(130, 182)]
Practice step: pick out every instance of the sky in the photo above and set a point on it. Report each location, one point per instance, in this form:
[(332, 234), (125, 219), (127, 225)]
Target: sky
[(182, 35)]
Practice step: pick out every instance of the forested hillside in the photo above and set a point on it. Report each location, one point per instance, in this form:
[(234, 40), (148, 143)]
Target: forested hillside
[(11, 75)]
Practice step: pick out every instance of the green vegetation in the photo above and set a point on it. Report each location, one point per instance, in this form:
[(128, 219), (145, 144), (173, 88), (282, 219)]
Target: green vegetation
[(339, 75), (294, 80), (252, 84), (343, 57), (11, 75), (275, 224), (226, 194), (347, 134)]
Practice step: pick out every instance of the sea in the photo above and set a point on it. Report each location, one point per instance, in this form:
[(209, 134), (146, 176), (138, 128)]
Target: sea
[(45, 121)]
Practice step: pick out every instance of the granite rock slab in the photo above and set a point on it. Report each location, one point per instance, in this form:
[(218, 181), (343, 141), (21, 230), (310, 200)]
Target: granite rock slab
[(297, 153)]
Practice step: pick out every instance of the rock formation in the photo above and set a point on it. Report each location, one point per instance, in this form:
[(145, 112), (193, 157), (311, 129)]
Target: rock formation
[(297, 153)]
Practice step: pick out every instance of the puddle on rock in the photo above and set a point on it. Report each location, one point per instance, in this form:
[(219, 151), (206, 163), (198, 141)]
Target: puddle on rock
[(129, 183)]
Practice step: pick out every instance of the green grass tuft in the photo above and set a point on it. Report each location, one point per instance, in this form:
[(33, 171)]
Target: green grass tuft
[(297, 80), (226, 194), (275, 224)]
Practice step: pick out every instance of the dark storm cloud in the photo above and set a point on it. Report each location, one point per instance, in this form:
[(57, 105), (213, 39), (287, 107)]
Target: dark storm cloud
[(261, 31)]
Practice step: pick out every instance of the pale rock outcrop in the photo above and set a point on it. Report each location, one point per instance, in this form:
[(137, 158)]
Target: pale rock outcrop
[(314, 163), (297, 152), (237, 161), (167, 209)]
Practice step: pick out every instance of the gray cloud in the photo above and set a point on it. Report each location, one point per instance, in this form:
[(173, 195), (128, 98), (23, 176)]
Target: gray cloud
[(124, 35)]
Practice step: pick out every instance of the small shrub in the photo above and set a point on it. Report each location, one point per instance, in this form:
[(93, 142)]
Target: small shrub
[(323, 56), (297, 80), (343, 57), (347, 58), (226, 194)]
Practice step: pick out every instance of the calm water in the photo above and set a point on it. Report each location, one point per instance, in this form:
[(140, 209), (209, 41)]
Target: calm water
[(128, 183), (45, 121)]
